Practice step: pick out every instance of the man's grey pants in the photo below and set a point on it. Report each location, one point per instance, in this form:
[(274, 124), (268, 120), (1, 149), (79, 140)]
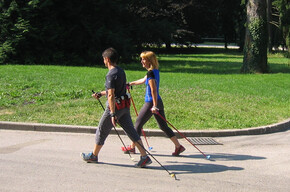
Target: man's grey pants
[(125, 121)]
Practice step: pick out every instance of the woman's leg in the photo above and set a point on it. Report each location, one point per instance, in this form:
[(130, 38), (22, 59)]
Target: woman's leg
[(161, 123), (164, 127), (144, 115)]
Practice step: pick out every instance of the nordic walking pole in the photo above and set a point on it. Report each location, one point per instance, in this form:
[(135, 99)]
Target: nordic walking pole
[(115, 129), (171, 174), (143, 132), (206, 156)]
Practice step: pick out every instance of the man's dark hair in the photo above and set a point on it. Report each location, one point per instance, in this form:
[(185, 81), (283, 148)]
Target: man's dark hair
[(112, 54)]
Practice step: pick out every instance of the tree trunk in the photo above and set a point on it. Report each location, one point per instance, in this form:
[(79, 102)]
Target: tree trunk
[(256, 40), (226, 41), (269, 16), (168, 45)]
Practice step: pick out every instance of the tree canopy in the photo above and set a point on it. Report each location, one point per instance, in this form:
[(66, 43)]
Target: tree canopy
[(71, 32)]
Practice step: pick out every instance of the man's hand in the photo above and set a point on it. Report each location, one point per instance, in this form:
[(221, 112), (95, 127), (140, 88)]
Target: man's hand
[(97, 95), (113, 119)]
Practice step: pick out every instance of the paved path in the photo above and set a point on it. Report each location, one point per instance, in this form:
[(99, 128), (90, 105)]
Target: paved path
[(50, 161)]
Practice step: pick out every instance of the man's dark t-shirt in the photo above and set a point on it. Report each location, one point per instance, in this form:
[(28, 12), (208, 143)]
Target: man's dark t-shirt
[(116, 79)]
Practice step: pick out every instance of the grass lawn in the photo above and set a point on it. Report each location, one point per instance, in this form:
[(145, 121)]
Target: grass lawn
[(200, 91)]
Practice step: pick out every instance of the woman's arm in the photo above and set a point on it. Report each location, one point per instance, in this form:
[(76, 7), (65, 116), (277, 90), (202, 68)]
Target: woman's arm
[(153, 87), (138, 82)]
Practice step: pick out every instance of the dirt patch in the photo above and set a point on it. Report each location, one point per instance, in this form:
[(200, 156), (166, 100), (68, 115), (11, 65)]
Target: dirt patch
[(4, 112)]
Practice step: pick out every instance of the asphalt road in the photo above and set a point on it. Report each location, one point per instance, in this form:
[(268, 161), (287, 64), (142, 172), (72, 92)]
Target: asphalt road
[(47, 161)]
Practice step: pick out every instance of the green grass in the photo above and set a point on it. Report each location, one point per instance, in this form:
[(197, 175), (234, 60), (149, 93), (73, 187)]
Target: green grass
[(200, 91)]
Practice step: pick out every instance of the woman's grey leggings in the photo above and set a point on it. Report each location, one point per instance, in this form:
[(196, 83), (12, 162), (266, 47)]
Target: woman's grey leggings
[(145, 114)]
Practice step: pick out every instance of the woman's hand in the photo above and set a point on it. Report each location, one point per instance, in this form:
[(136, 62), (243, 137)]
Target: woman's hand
[(154, 110)]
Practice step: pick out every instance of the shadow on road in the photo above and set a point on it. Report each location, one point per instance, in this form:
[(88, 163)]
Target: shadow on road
[(220, 157), (188, 168), (17, 147), (179, 167), (234, 157), (184, 167)]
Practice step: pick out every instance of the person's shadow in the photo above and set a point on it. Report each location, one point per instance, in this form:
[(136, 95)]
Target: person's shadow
[(185, 167), (219, 157)]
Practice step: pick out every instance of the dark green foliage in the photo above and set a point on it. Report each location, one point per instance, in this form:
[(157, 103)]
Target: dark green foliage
[(14, 26), (73, 32), (283, 9), (66, 32)]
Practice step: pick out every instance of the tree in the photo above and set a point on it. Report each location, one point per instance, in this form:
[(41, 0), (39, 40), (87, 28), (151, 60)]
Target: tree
[(73, 32), (270, 30), (201, 17), (154, 21), (14, 27), (255, 49), (282, 11), (228, 13), (69, 32)]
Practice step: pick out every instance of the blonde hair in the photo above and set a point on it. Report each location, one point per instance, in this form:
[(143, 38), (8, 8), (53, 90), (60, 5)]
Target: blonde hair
[(151, 57)]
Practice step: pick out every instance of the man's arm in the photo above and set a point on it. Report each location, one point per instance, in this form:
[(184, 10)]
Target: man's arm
[(111, 101), (99, 94)]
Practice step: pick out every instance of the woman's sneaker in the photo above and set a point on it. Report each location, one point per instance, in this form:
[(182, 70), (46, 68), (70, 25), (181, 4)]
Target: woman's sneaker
[(144, 161), (89, 157), (128, 149), (178, 150)]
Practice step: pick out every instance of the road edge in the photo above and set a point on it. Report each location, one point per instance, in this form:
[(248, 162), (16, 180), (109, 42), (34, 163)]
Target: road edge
[(277, 127)]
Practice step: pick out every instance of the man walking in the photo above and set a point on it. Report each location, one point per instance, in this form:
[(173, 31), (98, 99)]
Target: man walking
[(117, 110)]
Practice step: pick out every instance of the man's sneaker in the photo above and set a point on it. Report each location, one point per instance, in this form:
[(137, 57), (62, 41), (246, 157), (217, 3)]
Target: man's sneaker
[(178, 150), (128, 149), (89, 157), (144, 161)]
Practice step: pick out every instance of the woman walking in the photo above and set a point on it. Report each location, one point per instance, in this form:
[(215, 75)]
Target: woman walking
[(153, 102)]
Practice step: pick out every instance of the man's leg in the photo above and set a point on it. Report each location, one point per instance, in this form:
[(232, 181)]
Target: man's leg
[(127, 124), (102, 133), (97, 149)]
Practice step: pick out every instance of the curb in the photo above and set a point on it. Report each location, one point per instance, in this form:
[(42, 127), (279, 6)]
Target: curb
[(277, 127)]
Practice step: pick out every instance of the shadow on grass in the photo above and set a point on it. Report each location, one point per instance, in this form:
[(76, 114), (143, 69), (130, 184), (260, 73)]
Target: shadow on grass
[(193, 50), (207, 67), (279, 68), (180, 66), (204, 56), (202, 60), (204, 67)]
